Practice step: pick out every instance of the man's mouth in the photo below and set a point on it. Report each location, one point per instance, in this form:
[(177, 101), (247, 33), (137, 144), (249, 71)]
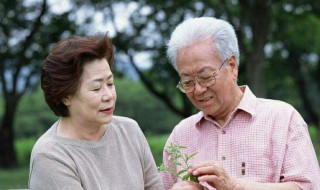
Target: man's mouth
[(205, 99)]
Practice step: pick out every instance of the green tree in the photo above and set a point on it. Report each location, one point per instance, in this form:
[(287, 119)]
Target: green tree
[(262, 28), (27, 30), (136, 102), (295, 57)]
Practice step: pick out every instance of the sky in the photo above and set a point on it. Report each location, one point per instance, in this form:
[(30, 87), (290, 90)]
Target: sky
[(122, 13)]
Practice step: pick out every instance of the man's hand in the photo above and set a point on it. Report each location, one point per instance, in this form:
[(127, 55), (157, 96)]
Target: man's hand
[(187, 185), (214, 174)]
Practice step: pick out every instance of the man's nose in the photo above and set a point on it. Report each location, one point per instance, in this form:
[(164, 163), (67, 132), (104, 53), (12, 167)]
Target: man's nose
[(198, 88)]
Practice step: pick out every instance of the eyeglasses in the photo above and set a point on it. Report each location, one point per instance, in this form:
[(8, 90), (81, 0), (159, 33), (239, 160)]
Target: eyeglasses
[(187, 86)]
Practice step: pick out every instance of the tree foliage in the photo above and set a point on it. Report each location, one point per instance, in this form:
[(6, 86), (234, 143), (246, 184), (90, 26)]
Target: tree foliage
[(27, 29), (278, 43), (275, 37)]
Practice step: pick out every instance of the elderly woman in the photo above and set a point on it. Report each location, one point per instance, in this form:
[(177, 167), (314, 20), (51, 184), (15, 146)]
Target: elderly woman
[(88, 147)]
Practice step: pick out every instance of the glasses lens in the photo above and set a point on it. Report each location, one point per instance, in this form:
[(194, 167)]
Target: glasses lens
[(180, 87), (207, 82)]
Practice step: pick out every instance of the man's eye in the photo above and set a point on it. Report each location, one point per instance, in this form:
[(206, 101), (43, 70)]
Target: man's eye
[(208, 77), (205, 77), (187, 82), (110, 84)]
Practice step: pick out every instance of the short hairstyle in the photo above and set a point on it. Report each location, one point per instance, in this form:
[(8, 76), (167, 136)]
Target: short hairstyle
[(63, 67), (219, 31)]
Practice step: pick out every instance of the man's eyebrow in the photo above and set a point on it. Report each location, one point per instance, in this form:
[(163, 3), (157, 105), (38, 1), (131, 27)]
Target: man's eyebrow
[(198, 72)]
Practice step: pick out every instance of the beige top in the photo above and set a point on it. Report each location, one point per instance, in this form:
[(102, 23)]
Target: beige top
[(121, 159)]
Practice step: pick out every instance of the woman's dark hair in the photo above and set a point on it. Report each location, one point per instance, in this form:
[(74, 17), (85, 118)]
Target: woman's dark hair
[(63, 67)]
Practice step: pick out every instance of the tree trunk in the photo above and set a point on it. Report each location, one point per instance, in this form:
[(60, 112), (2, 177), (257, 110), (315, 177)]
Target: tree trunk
[(8, 157), (260, 22), (256, 75)]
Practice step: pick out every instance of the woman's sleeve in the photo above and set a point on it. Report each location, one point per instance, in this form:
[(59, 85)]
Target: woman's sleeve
[(48, 173)]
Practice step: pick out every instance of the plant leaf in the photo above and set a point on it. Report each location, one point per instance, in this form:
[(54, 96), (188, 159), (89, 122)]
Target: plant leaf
[(186, 177), (194, 178)]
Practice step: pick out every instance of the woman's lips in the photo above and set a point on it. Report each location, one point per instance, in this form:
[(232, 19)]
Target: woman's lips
[(107, 111)]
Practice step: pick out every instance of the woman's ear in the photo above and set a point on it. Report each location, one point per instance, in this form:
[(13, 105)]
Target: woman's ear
[(66, 101)]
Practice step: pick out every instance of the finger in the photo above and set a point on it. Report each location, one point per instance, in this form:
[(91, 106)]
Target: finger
[(212, 180), (208, 178), (203, 164), (207, 170), (187, 185)]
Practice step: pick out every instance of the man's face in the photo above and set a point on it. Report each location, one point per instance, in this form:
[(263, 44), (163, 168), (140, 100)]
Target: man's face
[(200, 60)]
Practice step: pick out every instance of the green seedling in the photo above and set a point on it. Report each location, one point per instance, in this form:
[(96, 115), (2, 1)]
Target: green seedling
[(178, 159)]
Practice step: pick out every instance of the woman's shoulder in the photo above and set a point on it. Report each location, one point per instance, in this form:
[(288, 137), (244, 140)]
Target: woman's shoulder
[(48, 144), (126, 125), (45, 142), (124, 121)]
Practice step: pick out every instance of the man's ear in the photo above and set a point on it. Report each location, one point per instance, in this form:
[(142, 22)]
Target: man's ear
[(232, 62), (66, 101)]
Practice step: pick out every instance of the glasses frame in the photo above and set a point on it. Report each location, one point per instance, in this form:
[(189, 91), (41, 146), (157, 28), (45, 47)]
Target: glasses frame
[(180, 83)]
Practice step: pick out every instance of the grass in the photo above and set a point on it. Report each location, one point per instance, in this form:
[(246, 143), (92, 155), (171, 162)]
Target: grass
[(156, 144), (23, 149), (315, 137), (14, 179), (18, 178)]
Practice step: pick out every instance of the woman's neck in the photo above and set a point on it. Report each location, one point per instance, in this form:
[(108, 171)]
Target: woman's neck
[(69, 128)]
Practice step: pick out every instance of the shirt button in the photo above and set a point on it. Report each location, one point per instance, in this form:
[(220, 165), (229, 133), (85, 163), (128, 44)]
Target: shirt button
[(223, 132), (223, 158)]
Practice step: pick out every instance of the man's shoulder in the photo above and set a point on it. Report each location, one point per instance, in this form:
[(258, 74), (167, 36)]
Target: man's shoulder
[(274, 104), (190, 122)]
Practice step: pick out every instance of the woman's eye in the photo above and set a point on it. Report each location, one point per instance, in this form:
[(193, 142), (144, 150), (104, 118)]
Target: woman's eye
[(110, 84), (97, 89)]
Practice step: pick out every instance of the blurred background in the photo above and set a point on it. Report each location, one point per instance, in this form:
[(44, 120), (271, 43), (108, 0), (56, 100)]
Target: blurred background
[(279, 46)]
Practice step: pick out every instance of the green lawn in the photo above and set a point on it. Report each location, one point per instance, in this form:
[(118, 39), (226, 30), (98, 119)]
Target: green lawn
[(14, 179), (156, 144), (18, 178)]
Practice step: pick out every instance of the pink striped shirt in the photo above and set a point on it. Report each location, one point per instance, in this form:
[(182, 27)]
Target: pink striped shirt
[(269, 136)]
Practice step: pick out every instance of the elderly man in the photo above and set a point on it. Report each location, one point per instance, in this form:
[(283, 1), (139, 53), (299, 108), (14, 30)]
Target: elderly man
[(242, 142)]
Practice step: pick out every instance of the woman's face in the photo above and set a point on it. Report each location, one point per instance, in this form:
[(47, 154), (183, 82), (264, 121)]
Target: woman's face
[(94, 103)]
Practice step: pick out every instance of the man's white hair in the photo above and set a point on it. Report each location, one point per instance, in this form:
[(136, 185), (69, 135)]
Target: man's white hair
[(219, 31)]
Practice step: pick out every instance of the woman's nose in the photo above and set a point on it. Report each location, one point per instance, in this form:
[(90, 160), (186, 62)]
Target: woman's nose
[(107, 95)]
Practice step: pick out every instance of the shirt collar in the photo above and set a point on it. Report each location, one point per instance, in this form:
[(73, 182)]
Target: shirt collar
[(248, 101), (246, 104)]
